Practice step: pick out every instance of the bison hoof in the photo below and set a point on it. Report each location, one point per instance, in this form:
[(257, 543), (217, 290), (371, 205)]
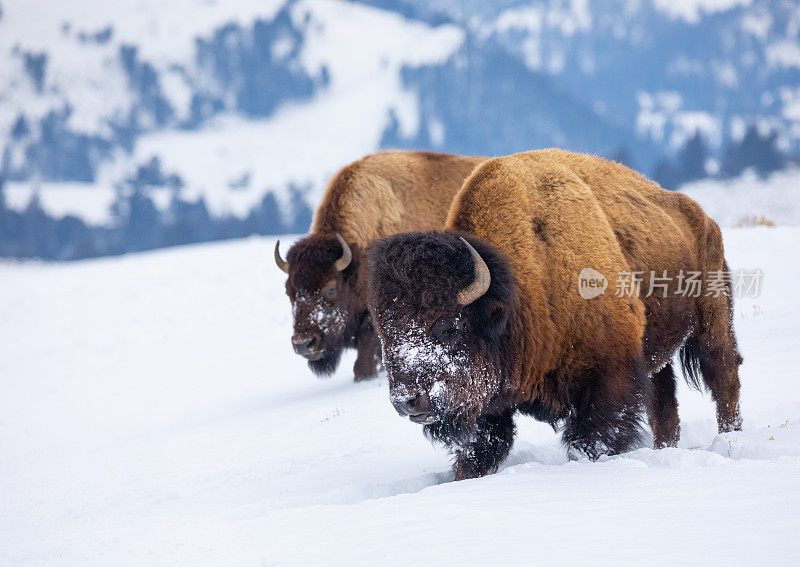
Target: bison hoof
[(364, 377)]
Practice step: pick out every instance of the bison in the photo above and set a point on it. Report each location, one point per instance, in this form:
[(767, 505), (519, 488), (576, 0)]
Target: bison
[(380, 194), (486, 318)]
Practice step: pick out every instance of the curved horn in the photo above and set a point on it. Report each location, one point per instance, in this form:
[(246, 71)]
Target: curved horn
[(480, 284), (282, 264), (347, 254)]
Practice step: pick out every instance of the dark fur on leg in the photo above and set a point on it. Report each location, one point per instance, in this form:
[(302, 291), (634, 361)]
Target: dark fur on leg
[(489, 447), (713, 353), (601, 422), (663, 409), (369, 352), (540, 412), (717, 360)]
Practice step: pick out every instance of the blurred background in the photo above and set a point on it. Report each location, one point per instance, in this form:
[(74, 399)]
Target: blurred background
[(138, 124)]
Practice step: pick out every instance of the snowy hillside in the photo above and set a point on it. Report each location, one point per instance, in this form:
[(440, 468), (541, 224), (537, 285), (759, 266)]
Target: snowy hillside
[(219, 105), (749, 200), (666, 68), (152, 412), (190, 95)]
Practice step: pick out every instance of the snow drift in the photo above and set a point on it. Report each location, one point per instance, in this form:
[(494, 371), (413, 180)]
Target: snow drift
[(152, 412)]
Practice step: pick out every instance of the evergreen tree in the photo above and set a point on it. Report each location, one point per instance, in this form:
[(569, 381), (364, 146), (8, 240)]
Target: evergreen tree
[(666, 174), (20, 129), (74, 239), (266, 218), (623, 156), (38, 238), (189, 222), (754, 150), (301, 212), (10, 226), (139, 221), (692, 159)]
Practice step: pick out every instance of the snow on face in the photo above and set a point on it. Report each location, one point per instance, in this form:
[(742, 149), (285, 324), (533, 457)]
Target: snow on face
[(419, 351), (456, 381), (309, 309)]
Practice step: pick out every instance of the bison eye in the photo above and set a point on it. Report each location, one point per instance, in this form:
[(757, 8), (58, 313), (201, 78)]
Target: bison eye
[(446, 329), (329, 291)]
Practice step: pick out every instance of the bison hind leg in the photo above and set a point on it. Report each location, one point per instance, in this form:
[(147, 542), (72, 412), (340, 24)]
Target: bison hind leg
[(711, 352), (603, 421), (718, 360)]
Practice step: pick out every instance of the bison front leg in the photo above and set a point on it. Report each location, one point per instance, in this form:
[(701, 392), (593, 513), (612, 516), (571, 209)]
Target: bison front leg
[(368, 347), (662, 409), (489, 447), (606, 418)]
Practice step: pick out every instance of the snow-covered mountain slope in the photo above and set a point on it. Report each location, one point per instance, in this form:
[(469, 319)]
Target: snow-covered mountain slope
[(667, 68), (748, 199), (240, 98), (80, 41), (152, 412), (225, 102), (233, 160)]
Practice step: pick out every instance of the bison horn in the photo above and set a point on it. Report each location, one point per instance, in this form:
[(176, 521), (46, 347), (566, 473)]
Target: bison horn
[(347, 255), (282, 264), (480, 284)]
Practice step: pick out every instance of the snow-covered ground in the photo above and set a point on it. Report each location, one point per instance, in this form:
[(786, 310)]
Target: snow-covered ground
[(748, 199), (152, 412)]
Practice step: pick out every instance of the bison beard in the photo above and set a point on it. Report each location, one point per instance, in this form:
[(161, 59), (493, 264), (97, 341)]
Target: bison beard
[(326, 365)]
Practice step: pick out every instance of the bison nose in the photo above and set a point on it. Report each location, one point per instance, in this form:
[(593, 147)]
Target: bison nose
[(305, 345), (416, 406)]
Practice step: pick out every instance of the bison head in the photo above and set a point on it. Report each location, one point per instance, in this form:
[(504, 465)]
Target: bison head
[(320, 285), (441, 307)]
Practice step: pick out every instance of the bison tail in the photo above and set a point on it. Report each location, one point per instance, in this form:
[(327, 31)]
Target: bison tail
[(690, 362), (702, 344)]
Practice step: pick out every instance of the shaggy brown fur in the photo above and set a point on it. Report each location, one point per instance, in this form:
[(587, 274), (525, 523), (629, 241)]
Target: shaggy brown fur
[(379, 195), (532, 343)]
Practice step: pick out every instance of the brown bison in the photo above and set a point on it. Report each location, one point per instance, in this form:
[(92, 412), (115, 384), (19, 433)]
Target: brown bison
[(379, 195), (486, 318)]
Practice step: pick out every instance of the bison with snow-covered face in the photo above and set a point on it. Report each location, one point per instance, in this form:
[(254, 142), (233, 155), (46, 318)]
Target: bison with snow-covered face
[(381, 194), (325, 304), (442, 351), (487, 318)]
